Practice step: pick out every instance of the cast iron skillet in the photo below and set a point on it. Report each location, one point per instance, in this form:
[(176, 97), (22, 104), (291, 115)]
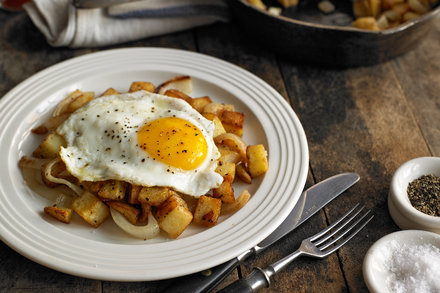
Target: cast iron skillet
[(306, 35)]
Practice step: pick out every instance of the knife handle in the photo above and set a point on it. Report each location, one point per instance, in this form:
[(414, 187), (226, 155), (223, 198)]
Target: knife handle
[(256, 281), (201, 282)]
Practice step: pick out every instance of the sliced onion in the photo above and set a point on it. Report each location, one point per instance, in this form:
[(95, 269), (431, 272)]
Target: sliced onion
[(31, 162), (234, 142), (182, 83), (149, 231), (48, 175), (230, 208), (64, 104)]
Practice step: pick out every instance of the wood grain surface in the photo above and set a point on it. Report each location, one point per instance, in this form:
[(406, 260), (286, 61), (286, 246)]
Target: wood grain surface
[(367, 120)]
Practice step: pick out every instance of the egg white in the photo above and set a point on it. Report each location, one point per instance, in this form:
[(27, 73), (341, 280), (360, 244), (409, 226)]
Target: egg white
[(102, 143)]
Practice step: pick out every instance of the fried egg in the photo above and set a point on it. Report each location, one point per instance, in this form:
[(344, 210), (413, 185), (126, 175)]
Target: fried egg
[(142, 138)]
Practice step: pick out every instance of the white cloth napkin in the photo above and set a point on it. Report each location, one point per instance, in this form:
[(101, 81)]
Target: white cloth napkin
[(64, 25)]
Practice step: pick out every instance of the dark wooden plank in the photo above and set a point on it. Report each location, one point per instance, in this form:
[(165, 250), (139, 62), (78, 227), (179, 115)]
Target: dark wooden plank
[(419, 75)]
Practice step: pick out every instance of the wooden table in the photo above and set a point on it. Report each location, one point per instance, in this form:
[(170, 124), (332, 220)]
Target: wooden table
[(367, 120)]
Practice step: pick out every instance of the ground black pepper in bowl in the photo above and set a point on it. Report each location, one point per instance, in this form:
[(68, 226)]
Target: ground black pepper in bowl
[(424, 194)]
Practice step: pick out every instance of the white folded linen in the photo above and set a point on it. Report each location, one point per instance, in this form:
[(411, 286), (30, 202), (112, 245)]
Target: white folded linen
[(64, 25)]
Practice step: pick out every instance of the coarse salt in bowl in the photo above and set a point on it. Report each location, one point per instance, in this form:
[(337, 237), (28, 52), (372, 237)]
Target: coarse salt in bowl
[(404, 261), (399, 205)]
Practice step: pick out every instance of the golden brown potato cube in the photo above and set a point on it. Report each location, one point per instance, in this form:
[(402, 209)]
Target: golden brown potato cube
[(242, 173), (49, 148), (112, 190), (56, 169), (133, 193), (142, 85), (62, 214), (200, 103), (191, 201), (92, 187), (257, 160), (225, 192), (178, 94), (91, 209), (207, 211), (227, 170), (145, 212), (109, 92), (128, 211), (228, 155), (368, 23), (233, 122), (173, 216), (50, 124), (80, 101), (219, 129), (217, 108), (154, 195)]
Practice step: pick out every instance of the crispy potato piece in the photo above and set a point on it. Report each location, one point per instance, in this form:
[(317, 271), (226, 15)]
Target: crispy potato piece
[(50, 124), (173, 216), (49, 148), (225, 192), (178, 94), (109, 92), (217, 109), (57, 168), (91, 209), (92, 187), (227, 170), (238, 204), (257, 160), (154, 195), (182, 83), (128, 211), (219, 129), (191, 201), (207, 211), (142, 85), (228, 155), (200, 103), (243, 174), (145, 212), (62, 214), (112, 190), (233, 122), (367, 22), (133, 193), (258, 4)]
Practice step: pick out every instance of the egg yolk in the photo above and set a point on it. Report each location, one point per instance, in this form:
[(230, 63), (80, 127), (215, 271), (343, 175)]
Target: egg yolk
[(174, 141)]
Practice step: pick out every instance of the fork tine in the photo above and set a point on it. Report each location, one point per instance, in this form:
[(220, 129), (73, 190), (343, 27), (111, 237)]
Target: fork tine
[(344, 221), (339, 245), (323, 232)]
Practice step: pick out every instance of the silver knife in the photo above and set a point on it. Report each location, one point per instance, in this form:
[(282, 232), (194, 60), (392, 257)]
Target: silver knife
[(310, 201), (87, 4)]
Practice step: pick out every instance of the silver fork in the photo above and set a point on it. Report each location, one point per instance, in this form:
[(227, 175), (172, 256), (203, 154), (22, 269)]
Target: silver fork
[(319, 245)]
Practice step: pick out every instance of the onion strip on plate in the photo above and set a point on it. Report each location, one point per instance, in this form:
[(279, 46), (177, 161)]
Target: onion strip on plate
[(149, 231)]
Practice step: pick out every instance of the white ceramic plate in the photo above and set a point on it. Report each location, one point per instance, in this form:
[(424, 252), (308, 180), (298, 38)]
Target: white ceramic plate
[(107, 253)]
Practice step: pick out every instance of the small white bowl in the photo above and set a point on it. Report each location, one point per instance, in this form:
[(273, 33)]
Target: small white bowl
[(399, 206), (374, 268)]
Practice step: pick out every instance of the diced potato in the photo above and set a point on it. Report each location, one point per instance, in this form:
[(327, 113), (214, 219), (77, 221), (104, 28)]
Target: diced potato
[(217, 109), (145, 212), (128, 211), (242, 173), (228, 155), (154, 195), (173, 216), (207, 211), (92, 187), (219, 129), (227, 170), (233, 122), (238, 204), (258, 4), (257, 160), (375, 7), (142, 85), (225, 192), (112, 190), (368, 23), (133, 193), (51, 124), (91, 209), (49, 148), (288, 3), (57, 168), (200, 103), (109, 92), (178, 94), (191, 201), (62, 214), (361, 8), (401, 8)]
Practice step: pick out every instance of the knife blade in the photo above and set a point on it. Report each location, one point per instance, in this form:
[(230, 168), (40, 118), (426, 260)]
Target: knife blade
[(310, 201)]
